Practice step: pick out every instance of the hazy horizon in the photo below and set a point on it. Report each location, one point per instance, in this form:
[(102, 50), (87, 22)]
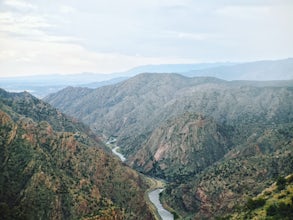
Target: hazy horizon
[(70, 37)]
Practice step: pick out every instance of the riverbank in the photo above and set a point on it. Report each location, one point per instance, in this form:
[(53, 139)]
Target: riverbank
[(152, 195), (153, 185)]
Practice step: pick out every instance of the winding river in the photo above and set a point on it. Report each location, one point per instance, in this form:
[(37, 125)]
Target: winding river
[(154, 195), (121, 156)]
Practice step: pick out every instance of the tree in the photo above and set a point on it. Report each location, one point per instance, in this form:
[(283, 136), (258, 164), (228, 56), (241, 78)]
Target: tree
[(281, 183)]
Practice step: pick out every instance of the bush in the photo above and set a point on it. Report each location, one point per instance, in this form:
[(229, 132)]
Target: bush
[(255, 203), (272, 210), (4, 211), (280, 210), (281, 183)]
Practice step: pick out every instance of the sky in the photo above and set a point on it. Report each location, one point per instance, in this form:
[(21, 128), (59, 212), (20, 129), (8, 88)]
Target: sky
[(74, 36)]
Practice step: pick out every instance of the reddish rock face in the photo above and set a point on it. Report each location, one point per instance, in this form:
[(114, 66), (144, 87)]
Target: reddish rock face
[(190, 142)]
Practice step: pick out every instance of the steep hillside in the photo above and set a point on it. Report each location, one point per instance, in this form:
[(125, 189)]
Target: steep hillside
[(212, 168), (275, 202), (25, 104), (52, 168), (131, 110), (124, 109), (66, 97), (244, 172), (182, 147), (216, 142)]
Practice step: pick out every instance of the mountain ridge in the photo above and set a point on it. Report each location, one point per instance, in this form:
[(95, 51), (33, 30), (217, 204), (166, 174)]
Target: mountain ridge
[(52, 167), (171, 147), (159, 99), (42, 86), (234, 130)]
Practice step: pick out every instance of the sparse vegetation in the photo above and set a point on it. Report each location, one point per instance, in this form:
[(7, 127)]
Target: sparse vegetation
[(275, 205)]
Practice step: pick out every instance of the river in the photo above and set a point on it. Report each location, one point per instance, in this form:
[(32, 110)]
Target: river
[(154, 195), (121, 156)]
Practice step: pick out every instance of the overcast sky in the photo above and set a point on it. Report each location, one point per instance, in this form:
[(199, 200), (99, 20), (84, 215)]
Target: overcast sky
[(73, 36)]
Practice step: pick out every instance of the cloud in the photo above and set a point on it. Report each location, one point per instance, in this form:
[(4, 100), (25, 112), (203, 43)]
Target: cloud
[(103, 36), (247, 12), (19, 4), (18, 55), (30, 27), (19, 24)]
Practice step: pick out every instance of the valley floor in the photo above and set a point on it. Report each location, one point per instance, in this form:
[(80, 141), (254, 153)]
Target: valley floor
[(155, 184)]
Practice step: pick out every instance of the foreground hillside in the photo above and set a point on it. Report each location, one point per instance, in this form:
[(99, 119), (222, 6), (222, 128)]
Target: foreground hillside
[(275, 202), (244, 172), (215, 142), (53, 168)]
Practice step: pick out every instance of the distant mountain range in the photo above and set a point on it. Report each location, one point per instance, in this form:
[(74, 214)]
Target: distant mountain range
[(215, 141), (41, 86), (254, 71)]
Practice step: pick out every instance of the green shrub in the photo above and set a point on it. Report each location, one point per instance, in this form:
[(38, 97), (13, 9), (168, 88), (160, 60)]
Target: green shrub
[(281, 183), (255, 203), (272, 210), (280, 210)]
